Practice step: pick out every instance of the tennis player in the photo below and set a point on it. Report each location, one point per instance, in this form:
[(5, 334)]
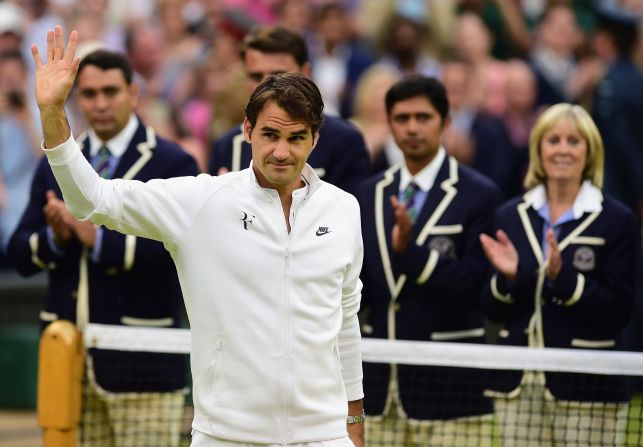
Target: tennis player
[(268, 259)]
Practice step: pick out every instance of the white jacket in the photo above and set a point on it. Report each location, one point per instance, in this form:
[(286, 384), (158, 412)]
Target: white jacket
[(273, 315)]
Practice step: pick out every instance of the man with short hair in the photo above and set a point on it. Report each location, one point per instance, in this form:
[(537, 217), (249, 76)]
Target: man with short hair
[(268, 258), (422, 275), (98, 275), (340, 156)]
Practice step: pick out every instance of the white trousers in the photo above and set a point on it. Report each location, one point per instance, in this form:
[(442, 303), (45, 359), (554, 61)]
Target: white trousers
[(203, 440)]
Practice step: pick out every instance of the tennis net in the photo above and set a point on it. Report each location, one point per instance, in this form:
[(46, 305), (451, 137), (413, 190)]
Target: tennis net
[(456, 394)]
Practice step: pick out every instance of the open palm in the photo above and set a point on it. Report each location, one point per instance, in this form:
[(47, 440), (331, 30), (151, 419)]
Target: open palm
[(501, 253), (55, 75)]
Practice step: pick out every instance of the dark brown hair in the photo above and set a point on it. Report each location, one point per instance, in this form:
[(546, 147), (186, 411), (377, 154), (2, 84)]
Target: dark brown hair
[(276, 40), (294, 93)]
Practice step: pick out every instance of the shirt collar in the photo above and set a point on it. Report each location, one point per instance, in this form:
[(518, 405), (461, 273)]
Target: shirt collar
[(117, 145), (427, 175), (588, 200)]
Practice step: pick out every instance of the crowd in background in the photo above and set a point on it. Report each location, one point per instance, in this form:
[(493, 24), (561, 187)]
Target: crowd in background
[(502, 61)]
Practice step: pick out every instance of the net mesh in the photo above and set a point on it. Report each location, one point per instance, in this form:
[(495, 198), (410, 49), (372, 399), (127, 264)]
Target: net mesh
[(418, 393)]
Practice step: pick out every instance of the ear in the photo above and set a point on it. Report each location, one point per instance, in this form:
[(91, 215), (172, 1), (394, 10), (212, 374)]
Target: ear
[(307, 70), (446, 123), (135, 91), (247, 130), (315, 140)]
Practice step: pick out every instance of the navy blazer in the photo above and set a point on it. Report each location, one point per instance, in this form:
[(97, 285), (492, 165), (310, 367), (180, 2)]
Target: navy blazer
[(133, 283), (430, 292), (588, 304), (340, 157)]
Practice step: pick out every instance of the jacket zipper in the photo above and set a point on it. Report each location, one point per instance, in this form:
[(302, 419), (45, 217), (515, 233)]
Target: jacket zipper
[(287, 341)]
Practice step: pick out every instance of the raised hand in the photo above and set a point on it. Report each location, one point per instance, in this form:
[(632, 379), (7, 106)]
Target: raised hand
[(55, 75), (401, 234), (554, 261), (501, 253)]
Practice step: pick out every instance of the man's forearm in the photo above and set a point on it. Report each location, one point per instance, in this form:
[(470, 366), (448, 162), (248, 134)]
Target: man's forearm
[(55, 127)]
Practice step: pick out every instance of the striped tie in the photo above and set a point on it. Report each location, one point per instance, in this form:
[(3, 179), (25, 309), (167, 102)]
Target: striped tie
[(408, 199), (101, 162)]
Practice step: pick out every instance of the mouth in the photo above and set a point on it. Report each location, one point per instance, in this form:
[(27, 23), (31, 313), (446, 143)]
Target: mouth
[(102, 120)]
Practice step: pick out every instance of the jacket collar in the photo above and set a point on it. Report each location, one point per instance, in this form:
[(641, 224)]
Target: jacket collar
[(427, 175), (310, 178), (118, 144), (588, 200)]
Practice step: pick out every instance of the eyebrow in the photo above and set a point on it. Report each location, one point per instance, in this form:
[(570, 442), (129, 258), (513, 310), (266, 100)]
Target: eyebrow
[(99, 89), (296, 132)]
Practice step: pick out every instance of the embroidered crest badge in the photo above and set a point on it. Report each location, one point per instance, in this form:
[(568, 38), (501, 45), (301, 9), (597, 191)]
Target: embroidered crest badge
[(443, 245), (584, 259)]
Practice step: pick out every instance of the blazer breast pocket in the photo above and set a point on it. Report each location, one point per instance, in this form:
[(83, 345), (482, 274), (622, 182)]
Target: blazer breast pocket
[(445, 240)]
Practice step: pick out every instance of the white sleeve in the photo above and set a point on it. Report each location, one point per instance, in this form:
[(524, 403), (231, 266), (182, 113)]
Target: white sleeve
[(158, 209), (349, 336)]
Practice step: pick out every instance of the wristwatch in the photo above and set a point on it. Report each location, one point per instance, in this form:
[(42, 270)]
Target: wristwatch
[(356, 419)]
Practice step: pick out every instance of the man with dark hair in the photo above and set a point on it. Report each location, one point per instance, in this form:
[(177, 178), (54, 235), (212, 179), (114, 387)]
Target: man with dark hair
[(422, 275), (98, 275), (268, 259), (340, 155)]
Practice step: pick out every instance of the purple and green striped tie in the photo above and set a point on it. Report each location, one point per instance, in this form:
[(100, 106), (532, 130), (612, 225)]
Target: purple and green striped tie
[(101, 162), (407, 199)]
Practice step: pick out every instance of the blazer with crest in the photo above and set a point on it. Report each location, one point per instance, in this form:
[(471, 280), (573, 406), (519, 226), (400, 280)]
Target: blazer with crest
[(430, 293), (339, 158), (586, 307), (133, 283)]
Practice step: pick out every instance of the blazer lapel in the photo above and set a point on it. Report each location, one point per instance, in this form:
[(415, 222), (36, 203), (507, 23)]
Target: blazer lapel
[(384, 222), (438, 200), (138, 153)]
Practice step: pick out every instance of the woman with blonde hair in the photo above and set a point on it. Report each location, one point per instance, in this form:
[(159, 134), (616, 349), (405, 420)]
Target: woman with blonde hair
[(564, 258)]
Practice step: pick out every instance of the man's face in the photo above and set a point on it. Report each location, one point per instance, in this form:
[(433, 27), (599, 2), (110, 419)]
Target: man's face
[(261, 65), (106, 100), (417, 128), (280, 147)]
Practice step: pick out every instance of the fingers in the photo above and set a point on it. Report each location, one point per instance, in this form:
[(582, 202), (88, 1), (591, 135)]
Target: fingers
[(71, 47), (502, 237), (58, 42), (51, 195), (50, 46), (36, 57), (485, 240)]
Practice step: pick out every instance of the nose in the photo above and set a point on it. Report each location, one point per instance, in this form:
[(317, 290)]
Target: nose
[(100, 102), (281, 151), (411, 126)]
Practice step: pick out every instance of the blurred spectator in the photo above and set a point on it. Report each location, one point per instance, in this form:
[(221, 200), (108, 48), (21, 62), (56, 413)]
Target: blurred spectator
[(506, 24), (93, 23), (19, 145), (618, 104), (338, 59), (457, 138), (476, 137), (403, 41), (183, 50), (12, 27), (371, 119), (520, 116), (553, 58), (295, 16), (473, 43)]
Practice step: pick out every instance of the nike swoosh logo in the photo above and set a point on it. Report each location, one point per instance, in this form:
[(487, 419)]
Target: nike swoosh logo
[(322, 232)]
